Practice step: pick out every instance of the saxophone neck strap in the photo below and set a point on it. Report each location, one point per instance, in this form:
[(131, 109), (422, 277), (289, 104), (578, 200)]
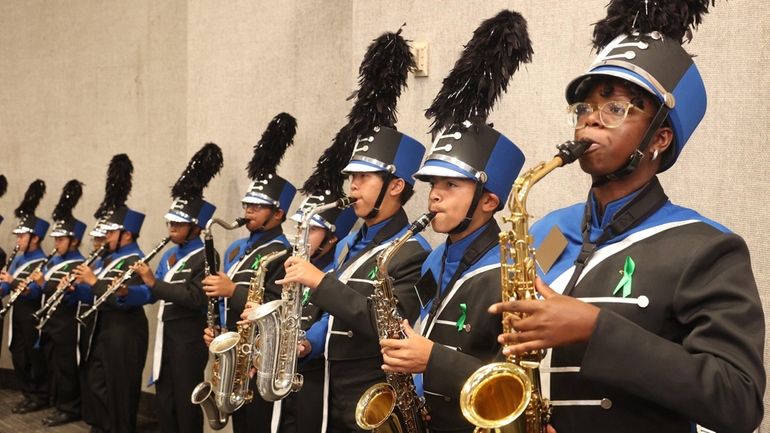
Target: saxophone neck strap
[(487, 240), (647, 201)]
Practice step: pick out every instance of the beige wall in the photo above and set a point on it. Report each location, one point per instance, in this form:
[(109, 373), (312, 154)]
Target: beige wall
[(83, 80)]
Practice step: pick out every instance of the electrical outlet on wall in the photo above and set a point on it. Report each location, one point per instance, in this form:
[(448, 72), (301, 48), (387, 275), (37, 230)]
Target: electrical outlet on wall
[(420, 53)]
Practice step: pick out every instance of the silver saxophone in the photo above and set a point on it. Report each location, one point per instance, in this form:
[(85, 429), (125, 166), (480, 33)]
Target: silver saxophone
[(279, 322), (52, 303), (234, 354)]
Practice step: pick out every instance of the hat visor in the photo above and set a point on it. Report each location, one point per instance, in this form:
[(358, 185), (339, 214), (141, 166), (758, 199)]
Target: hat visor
[(297, 217), (97, 233), (108, 227), (435, 168), (175, 218), (60, 233), (357, 166), (21, 230), (256, 200), (609, 71)]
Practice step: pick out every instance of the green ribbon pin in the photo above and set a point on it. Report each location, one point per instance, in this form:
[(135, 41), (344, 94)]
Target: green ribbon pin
[(626, 279), (120, 264), (182, 266), (373, 273), (461, 320), (257, 259), (305, 296)]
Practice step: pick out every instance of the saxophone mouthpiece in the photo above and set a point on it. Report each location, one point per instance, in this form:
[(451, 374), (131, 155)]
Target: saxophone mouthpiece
[(241, 221), (421, 222), (571, 150)]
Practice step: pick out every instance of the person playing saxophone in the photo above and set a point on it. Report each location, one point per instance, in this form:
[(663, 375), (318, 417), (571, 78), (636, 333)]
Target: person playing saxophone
[(651, 309), (265, 205), (179, 355), (471, 168), (302, 411)]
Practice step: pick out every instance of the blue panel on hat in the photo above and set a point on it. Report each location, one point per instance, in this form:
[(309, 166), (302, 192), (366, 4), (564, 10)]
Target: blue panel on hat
[(133, 221), (503, 168), (79, 230), (408, 158), (690, 97), (287, 195), (41, 227), (205, 214)]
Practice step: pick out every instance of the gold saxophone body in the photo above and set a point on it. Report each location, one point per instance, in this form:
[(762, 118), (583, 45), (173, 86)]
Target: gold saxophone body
[(393, 406), (497, 395), (234, 354), (279, 322)]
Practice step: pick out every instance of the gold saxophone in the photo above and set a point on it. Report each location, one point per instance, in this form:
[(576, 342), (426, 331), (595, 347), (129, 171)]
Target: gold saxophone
[(279, 322), (497, 394), (393, 406), (234, 354)]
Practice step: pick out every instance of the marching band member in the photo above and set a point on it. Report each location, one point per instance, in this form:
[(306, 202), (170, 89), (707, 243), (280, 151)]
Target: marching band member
[(60, 333), (302, 411), (471, 168), (28, 359), (265, 206), (647, 301), (180, 356), (380, 169), (119, 342)]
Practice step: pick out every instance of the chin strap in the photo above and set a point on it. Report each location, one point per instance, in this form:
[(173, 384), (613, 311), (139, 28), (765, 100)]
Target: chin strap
[(385, 183), (471, 210), (636, 157)]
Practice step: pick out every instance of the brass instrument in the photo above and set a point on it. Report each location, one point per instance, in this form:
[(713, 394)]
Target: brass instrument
[(8, 262), (234, 354), (279, 322), (53, 301), (117, 283), (497, 394), (394, 406), (211, 266), (22, 286)]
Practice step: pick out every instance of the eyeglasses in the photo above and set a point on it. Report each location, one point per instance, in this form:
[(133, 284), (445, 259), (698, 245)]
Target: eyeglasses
[(611, 113)]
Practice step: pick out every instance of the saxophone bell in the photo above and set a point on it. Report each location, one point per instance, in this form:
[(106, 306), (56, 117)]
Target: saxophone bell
[(498, 394), (203, 395)]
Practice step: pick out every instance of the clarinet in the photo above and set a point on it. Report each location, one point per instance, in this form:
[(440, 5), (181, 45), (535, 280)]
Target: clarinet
[(52, 303), (7, 264), (120, 281), (211, 266), (23, 284)]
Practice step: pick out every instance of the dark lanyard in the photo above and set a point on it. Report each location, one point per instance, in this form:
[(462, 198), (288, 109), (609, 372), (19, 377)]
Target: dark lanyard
[(648, 201)]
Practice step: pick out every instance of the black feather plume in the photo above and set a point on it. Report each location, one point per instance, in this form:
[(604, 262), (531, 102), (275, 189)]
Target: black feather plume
[(382, 77), (673, 18), (118, 185), (3, 185), (481, 74), (204, 165), (270, 149), (70, 196), (32, 197)]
